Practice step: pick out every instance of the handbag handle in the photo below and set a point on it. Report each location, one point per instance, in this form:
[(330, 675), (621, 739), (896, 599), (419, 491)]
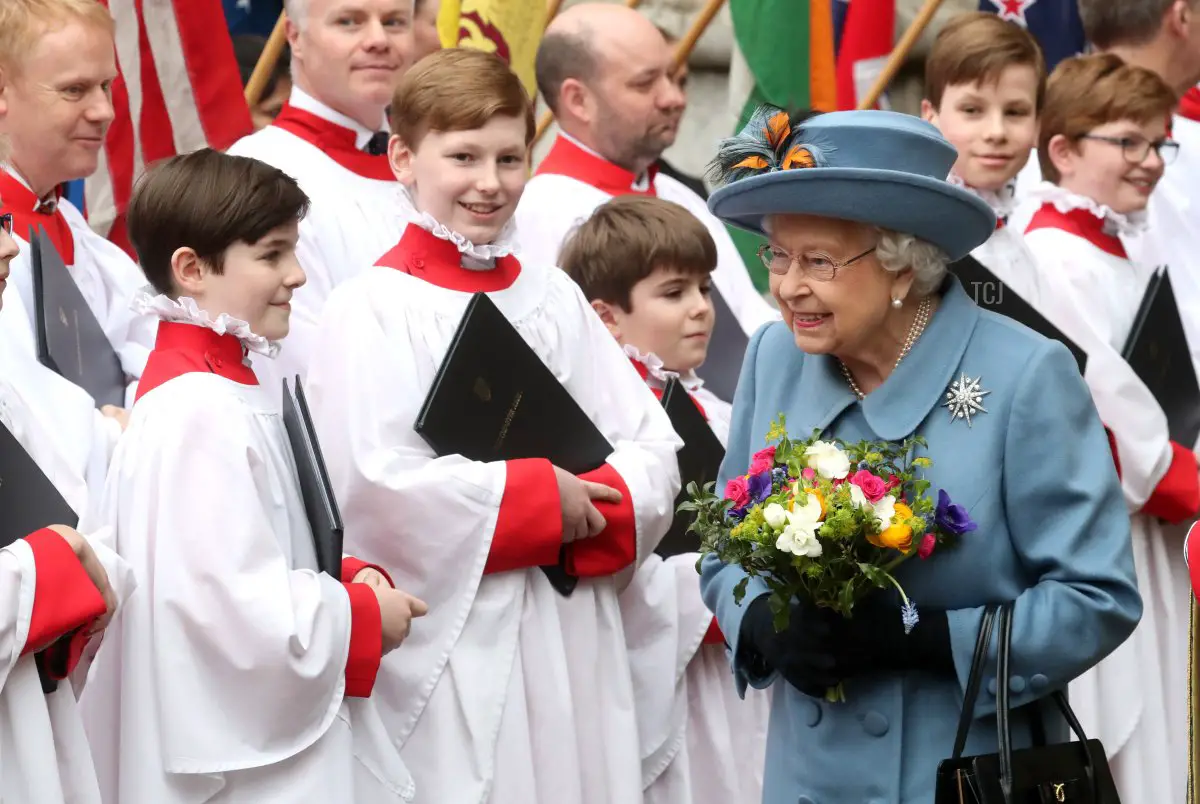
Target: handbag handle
[(974, 679), (1004, 728)]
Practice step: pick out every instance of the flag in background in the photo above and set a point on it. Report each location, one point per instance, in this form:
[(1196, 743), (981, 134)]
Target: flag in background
[(1055, 24), (512, 29), (785, 47), (177, 90), (863, 43)]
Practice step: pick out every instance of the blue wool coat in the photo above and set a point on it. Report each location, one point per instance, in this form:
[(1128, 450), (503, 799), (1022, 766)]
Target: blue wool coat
[(1034, 471)]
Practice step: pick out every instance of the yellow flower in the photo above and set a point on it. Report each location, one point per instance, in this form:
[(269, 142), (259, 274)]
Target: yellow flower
[(898, 536)]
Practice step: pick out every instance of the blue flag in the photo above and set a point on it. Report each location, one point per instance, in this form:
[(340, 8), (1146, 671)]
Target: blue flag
[(1054, 24)]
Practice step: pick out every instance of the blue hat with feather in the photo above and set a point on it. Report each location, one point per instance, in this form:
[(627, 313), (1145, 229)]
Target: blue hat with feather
[(881, 168)]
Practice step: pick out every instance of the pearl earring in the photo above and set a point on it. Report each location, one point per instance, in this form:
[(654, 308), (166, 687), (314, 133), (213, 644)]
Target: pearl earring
[(897, 303)]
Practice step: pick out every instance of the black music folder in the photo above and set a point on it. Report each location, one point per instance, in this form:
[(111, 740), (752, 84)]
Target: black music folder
[(726, 350), (324, 518), (990, 293), (1157, 351), (493, 399), (70, 341), (29, 502), (699, 462)]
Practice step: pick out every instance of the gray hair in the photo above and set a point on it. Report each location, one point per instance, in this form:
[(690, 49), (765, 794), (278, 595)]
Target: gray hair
[(297, 12), (897, 251), (1108, 23), (562, 55)]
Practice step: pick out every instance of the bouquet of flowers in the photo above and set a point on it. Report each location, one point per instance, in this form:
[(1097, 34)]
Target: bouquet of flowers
[(826, 521)]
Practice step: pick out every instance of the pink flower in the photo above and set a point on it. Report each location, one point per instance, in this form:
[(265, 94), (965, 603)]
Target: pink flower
[(808, 474), (873, 488), (738, 490), (763, 461), (928, 542)]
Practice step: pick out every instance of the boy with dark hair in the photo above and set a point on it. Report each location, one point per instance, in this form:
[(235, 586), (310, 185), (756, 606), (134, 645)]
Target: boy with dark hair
[(240, 671), (645, 265)]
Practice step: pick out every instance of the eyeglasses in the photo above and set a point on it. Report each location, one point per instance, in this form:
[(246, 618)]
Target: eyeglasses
[(815, 265), (1136, 149), (6, 223)]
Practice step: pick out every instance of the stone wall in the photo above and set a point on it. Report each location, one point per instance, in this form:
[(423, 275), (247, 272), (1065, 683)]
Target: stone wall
[(709, 115)]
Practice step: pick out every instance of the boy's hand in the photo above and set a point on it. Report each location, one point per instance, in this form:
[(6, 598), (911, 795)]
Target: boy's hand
[(397, 610), (581, 519), (114, 412), (373, 578), (95, 570)]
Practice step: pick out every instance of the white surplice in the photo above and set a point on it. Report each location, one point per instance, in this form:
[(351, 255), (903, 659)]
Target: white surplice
[(44, 755), (351, 221), (688, 707), (553, 205), (106, 276), (224, 681), (506, 691), (1132, 701)]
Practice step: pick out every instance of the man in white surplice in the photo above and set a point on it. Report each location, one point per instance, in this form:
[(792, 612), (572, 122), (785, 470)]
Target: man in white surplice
[(604, 71), (347, 56)]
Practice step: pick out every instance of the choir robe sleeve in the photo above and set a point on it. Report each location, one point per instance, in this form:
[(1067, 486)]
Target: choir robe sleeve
[(1144, 452), (194, 497)]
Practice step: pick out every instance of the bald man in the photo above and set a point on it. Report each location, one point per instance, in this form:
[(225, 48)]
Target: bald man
[(604, 70), (331, 137)]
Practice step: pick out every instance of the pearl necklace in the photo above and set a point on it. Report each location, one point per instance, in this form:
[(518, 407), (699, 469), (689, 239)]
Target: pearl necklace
[(920, 321)]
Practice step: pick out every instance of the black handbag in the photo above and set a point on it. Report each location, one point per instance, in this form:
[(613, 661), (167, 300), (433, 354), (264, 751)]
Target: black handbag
[(1043, 774)]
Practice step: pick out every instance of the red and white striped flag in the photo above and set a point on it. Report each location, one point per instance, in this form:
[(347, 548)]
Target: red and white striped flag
[(178, 89)]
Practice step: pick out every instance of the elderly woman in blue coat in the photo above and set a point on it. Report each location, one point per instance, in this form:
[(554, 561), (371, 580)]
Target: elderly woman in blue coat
[(879, 342)]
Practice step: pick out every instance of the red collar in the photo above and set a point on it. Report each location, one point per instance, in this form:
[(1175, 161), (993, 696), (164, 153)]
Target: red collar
[(568, 159), (644, 373), (23, 204), (1080, 223), (439, 262), (186, 348), (1189, 104), (338, 142)]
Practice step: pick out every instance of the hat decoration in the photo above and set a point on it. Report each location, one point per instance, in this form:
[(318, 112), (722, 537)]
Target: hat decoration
[(772, 140)]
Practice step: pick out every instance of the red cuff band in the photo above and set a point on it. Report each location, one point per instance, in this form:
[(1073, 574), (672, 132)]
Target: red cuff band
[(529, 525), (352, 566), (366, 641), (1112, 445), (63, 656), (1192, 555), (615, 548), (1176, 498), (64, 597), (713, 636)]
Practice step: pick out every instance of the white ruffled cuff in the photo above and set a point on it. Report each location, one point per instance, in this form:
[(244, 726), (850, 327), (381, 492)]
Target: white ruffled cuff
[(1002, 201), (502, 246), (1115, 223), (185, 311)]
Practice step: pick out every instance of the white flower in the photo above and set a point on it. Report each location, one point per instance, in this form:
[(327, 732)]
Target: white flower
[(857, 498), (827, 460), (775, 515), (800, 536), (885, 510)]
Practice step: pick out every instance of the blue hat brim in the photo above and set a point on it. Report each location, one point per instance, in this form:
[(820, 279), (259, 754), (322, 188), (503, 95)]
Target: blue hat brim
[(934, 210)]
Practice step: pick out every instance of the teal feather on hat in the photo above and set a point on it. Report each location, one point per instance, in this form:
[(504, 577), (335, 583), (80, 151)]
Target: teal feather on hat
[(771, 140)]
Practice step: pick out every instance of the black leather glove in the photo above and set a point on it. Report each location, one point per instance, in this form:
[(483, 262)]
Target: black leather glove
[(820, 648)]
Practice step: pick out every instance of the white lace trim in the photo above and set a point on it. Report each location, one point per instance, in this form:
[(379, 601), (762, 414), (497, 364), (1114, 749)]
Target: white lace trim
[(185, 311), (1128, 225), (654, 366), (502, 246), (1002, 201)]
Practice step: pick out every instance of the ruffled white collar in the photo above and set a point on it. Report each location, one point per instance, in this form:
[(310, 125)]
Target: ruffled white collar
[(1002, 201), (487, 253), (184, 311), (1115, 223), (655, 368)]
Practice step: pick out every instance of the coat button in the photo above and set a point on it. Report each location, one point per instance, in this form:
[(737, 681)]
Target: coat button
[(214, 362), (813, 716), (1016, 685), (1038, 683), (875, 724), (418, 263)]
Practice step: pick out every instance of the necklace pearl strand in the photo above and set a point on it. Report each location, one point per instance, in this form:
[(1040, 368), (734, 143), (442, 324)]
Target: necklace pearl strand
[(920, 321)]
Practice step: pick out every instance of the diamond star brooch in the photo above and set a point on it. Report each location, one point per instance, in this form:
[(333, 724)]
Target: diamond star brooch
[(965, 398)]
